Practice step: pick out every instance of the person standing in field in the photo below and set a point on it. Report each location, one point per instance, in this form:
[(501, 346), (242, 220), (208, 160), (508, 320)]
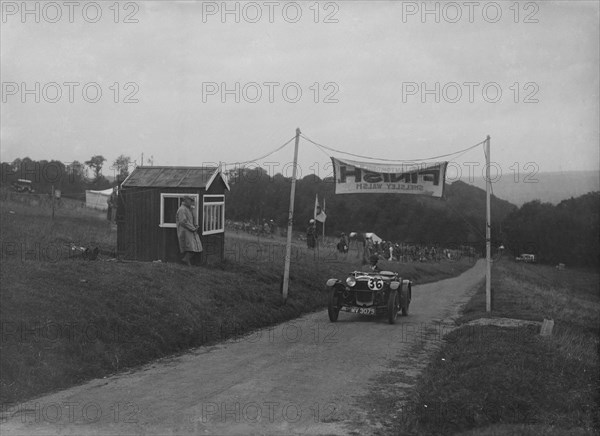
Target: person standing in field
[(189, 241), (368, 249), (112, 205), (109, 202), (311, 234), (343, 244)]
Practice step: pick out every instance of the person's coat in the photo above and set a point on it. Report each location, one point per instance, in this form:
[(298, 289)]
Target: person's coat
[(186, 231)]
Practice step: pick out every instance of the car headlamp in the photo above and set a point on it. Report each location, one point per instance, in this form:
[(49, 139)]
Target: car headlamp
[(331, 282), (351, 281)]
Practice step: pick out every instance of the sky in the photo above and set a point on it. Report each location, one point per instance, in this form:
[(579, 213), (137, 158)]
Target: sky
[(190, 83)]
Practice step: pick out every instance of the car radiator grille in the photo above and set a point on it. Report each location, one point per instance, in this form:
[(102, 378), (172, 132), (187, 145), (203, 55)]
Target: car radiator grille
[(364, 297), (362, 286)]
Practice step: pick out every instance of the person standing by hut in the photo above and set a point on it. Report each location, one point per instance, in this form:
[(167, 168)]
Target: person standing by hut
[(113, 202), (109, 202), (189, 241)]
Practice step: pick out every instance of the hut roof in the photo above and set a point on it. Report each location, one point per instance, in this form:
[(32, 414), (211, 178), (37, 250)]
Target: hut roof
[(173, 177)]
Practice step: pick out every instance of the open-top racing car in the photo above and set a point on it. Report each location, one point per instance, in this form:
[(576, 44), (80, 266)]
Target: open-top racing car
[(370, 293)]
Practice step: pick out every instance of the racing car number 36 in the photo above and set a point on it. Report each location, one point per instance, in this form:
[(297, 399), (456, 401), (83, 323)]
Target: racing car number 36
[(375, 284)]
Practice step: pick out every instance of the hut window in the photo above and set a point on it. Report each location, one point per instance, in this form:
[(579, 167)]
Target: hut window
[(169, 203), (213, 214)]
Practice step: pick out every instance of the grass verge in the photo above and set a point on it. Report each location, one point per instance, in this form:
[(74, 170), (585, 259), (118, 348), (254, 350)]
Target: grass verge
[(486, 380)]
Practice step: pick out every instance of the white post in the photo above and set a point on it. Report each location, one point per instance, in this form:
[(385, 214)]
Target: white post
[(288, 247), (53, 195), (488, 229)]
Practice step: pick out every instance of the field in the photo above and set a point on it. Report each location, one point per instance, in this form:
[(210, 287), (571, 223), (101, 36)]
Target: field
[(487, 380), (66, 320)]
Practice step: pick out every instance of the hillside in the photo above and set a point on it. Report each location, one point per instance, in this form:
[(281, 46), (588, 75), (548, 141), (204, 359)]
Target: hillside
[(564, 233), (550, 187), (458, 218)]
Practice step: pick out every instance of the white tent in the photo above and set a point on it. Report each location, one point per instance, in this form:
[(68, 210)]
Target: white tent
[(373, 237), (98, 199)]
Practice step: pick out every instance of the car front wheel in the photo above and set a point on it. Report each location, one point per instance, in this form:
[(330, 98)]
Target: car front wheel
[(334, 306)]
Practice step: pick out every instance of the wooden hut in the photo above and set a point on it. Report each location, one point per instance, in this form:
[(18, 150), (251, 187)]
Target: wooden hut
[(148, 201)]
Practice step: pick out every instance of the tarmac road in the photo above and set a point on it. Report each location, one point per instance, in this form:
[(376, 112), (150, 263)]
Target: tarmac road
[(306, 376)]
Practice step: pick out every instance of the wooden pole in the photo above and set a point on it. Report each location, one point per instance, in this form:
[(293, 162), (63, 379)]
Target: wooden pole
[(488, 229), (323, 209), (53, 202), (288, 247)]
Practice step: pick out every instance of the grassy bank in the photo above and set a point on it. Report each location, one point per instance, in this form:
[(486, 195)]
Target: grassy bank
[(65, 320), (487, 380)]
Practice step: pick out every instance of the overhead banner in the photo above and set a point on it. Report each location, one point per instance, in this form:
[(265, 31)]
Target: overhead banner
[(353, 177)]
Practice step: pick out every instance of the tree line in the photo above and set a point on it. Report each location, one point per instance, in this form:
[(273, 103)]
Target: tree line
[(565, 233), (72, 178)]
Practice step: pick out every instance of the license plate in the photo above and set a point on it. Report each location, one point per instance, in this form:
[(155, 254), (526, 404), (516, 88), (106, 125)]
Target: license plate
[(360, 310)]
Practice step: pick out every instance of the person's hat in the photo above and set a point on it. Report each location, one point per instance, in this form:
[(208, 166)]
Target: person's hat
[(311, 221), (187, 197)]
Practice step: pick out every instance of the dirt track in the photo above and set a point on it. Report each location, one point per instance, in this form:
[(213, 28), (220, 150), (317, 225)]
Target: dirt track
[(301, 377)]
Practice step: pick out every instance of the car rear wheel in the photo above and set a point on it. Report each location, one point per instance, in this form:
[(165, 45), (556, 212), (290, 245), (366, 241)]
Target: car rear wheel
[(334, 306), (393, 306)]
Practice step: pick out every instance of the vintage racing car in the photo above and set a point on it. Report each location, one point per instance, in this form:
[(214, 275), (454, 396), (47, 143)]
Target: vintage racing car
[(370, 293)]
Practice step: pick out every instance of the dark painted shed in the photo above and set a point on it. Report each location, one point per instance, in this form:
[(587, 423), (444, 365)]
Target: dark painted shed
[(148, 201)]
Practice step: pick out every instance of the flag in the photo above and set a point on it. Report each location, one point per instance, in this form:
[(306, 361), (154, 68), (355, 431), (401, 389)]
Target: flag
[(319, 214)]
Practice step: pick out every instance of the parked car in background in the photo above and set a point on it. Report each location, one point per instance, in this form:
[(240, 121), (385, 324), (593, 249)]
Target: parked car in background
[(527, 258), (23, 185)]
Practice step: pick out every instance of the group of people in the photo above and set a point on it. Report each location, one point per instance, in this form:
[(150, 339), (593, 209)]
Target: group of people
[(394, 251), (268, 227)]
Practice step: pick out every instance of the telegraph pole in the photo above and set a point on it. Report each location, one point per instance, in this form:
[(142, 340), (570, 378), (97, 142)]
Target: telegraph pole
[(53, 195), (488, 230), (288, 247)]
